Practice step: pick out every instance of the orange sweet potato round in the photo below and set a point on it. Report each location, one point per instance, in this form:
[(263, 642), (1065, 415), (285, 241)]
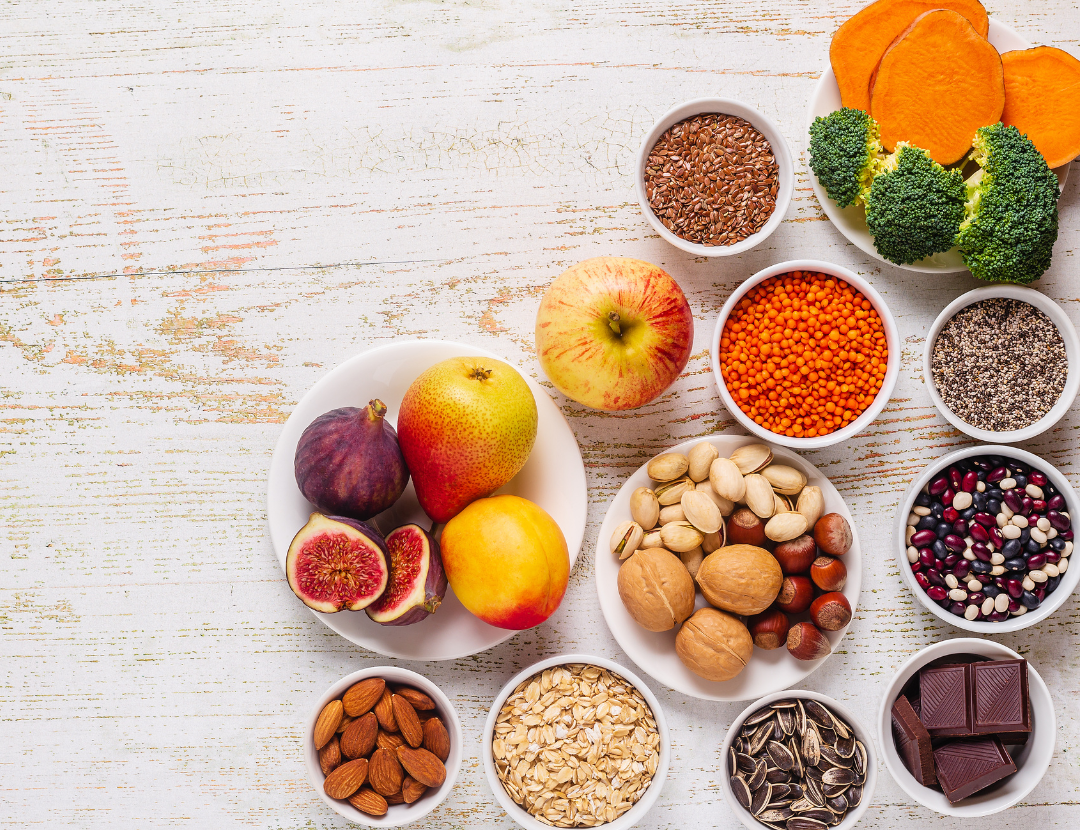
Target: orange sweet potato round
[(859, 43), (936, 85), (1042, 100)]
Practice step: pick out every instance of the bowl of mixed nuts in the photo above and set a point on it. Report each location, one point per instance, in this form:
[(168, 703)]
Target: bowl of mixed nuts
[(714, 177), (383, 746), (576, 741), (798, 760)]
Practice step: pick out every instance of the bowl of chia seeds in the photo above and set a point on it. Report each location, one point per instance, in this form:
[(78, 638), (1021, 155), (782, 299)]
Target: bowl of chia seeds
[(714, 177), (1002, 363)]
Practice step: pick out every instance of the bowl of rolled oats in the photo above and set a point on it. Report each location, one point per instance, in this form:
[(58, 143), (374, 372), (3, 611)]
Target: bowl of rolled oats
[(576, 741)]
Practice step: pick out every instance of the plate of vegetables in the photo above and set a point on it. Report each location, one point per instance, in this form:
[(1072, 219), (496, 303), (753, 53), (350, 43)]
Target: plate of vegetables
[(982, 196)]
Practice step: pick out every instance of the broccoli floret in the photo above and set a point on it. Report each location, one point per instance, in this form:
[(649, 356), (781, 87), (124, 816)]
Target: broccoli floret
[(1011, 220), (845, 154), (915, 206)]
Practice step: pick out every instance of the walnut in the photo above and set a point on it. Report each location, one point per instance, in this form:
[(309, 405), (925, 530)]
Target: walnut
[(714, 645), (656, 589), (742, 579)]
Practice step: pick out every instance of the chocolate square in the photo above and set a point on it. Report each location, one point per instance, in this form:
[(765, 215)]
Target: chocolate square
[(999, 697), (913, 742), (944, 698), (968, 766)]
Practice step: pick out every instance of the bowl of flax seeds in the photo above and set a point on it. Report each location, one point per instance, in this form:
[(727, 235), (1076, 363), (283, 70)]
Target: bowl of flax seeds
[(714, 177)]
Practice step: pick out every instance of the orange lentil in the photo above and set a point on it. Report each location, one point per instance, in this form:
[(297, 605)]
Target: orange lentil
[(803, 354)]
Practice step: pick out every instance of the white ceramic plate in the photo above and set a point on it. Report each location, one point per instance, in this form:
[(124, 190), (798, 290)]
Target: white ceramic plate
[(654, 652), (851, 221), (553, 477)]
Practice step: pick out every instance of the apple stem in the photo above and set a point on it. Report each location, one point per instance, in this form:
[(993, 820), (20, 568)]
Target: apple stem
[(613, 321)]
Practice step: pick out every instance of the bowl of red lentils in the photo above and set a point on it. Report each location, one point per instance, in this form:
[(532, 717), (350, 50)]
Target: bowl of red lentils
[(805, 354), (714, 177)]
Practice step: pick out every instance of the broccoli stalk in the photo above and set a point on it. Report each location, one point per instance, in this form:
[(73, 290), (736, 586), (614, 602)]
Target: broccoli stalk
[(915, 206), (845, 154), (1011, 218)]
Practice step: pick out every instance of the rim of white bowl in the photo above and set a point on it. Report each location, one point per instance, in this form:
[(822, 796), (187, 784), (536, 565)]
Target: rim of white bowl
[(1072, 352), (1050, 605), (861, 732), (781, 151), (907, 782), (398, 814), (892, 340), (644, 804)]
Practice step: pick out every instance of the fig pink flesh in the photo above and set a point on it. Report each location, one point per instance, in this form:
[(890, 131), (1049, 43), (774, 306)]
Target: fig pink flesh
[(332, 565), (417, 582)]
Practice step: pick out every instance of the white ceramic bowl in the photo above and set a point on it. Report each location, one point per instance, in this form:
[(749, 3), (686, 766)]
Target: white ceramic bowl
[(851, 221), (654, 651), (635, 813), (1072, 351), (398, 814), (726, 106), (553, 477), (1052, 602), (1031, 762), (892, 339), (852, 818)]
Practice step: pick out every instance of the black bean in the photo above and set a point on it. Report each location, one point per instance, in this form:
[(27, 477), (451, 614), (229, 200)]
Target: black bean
[(1057, 544), (939, 549), (1025, 534), (1021, 481), (1032, 546), (980, 567), (979, 500), (995, 493), (1017, 563), (1052, 583), (993, 506), (1029, 600), (968, 514), (991, 590), (936, 509), (927, 523), (943, 529), (923, 500), (1011, 548)]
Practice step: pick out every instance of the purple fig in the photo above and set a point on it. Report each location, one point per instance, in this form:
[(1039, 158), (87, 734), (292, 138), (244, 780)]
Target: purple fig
[(417, 580), (335, 563), (348, 462)]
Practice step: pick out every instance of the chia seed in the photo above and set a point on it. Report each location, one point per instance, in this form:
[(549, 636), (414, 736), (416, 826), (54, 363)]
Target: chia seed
[(999, 364)]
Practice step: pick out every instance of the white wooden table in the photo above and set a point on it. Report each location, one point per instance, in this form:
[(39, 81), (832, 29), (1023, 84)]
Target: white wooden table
[(205, 206)]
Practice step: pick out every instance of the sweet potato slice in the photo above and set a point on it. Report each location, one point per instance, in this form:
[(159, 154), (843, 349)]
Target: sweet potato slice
[(938, 83), (860, 42), (1042, 100)]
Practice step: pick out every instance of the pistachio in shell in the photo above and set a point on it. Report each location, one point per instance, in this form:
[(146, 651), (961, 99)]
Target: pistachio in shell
[(692, 559), (672, 513), (670, 492), (667, 466), (656, 589), (701, 457), (742, 579), (714, 645), (727, 479), (752, 458), (759, 495), (681, 536), (652, 540), (784, 479), (811, 504), (644, 508), (714, 541), (783, 527), (626, 539), (701, 511), (727, 506)]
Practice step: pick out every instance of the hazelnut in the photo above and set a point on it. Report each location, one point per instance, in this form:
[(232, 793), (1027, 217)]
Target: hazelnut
[(796, 556), (769, 629), (745, 528), (743, 579), (656, 589), (805, 642), (832, 534), (714, 645), (796, 594), (831, 611), (829, 574)]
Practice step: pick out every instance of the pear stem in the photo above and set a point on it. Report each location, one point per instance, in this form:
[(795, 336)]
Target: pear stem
[(613, 321), (479, 373)]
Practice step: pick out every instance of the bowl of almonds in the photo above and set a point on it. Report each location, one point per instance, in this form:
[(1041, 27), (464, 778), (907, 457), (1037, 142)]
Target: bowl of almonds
[(383, 746), (714, 177), (576, 741)]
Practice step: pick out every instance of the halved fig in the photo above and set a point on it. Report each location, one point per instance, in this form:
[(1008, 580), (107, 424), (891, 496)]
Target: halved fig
[(336, 563), (417, 580)]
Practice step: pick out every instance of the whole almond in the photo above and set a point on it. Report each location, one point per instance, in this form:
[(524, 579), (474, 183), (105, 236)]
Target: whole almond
[(330, 756), (346, 779), (345, 721), (418, 699), (359, 739), (389, 740), (407, 722), (396, 798), (422, 765), (384, 711), (327, 723), (411, 789), (436, 739), (384, 772), (369, 802), (361, 696)]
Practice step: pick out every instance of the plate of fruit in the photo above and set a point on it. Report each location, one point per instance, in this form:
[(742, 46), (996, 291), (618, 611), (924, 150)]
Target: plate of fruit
[(426, 500), (935, 136), (728, 569)]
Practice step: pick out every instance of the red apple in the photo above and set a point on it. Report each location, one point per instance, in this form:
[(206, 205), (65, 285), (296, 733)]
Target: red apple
[(613, 333)]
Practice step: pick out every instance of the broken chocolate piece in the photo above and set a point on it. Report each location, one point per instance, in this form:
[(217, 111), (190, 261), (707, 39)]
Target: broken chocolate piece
[(913, 742), (999, 697), (965, 767)]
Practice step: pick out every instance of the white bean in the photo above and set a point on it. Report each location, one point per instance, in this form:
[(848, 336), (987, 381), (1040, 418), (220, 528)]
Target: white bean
[(972, 611), (1001, 603), (1043, 524), (1050, 569), (1038, 576), (969, 556), (958, 595), (996, 558), (1063, 566), (1019, 612), (1038, 535), (912, 519), (951, 581), (997, 570), (988, 606), (1007, 483), (961, 501), (974, 585), (981, 486), (919, 510), (1028, 583), (1010, 532), (1034, 490), (1020, 521), (908, 534)]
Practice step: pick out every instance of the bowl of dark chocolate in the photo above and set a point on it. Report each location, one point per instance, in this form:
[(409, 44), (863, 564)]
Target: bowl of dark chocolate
[(993, 727), (1002, 566)]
